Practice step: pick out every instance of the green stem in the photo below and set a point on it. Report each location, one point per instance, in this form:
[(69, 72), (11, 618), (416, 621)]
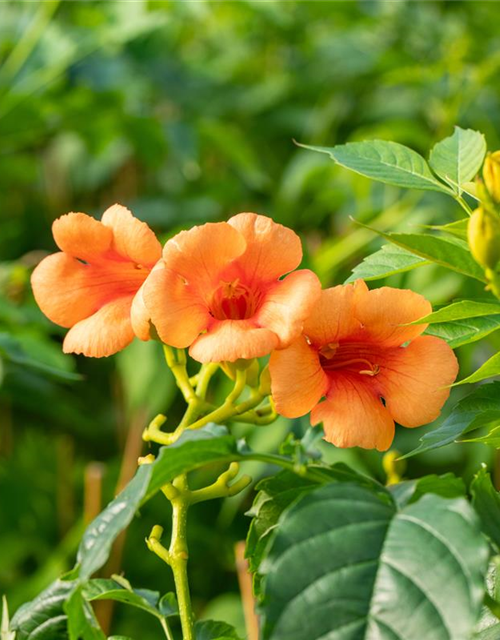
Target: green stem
[(178, 562)]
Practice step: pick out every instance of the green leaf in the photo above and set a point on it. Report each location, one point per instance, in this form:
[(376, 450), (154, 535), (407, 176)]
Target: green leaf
[(343, 556), (101, 533), (212, 630), (82, 623), (451, 253), (486, 501), (108, 589), (385, 161), (490, 633), (463, 332), (457, 229), (479, 409), (489, 369), (168, 605), (44, 617), (119, 638), (463, 322), (461, 310), (389, 260), (5, 632), (409, 491), (458, 158)]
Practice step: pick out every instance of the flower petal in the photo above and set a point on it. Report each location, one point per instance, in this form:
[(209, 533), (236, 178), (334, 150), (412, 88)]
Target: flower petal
[(230, 340), (382, 311), (132, 238), (176, 309), (200, 254), (333, 316), (81, 236), (297, 380), (106, 332), (140, 316), (287, 305), (354, 416), (63, 291), (272, 249), (412, 380)]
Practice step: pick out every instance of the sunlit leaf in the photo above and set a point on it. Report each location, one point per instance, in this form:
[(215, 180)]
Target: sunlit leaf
[(466, 331), (461, 310), (385, 161), (489, 369), (458, 158), (389, 260), (409, 491)]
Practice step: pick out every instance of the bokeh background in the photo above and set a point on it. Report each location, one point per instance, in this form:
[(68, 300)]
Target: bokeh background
[(186, 112)]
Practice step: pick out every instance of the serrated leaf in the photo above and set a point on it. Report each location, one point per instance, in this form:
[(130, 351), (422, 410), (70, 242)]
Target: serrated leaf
[(458, 158), (385, 161), (457, 229), (44, 617), (486, 501), (489, 369), (479, 409), (460, 311), (389, 260), (343, 556), (409, 491), (463, 332), (451, 253)]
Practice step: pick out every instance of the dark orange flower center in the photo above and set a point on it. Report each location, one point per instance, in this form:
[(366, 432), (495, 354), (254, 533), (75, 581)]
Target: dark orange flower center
[(234, 301), (351, 357)]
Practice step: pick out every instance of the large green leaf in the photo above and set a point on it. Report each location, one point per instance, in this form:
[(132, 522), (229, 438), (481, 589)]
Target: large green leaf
[(345, 563), (451, 253), (479, 409), (389, 260), (44, 617), (458, 158), (388, 162), (489, 369), (486, 501)]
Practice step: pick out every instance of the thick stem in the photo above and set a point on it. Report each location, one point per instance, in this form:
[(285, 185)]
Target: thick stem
[(178, 562)]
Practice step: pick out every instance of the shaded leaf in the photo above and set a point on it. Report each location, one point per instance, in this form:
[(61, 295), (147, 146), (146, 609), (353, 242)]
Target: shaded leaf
[(446, 486), (431, 551), (108, 589), (463, 332), (82, 623), (486, 501), (212, 630), (44, 617), (479, 409)]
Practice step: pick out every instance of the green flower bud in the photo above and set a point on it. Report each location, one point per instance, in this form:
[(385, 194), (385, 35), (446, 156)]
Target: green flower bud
[(483, 234), (491, 175)]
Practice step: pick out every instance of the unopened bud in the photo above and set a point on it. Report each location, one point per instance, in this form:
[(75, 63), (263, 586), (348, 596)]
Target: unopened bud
[(483, 234), (491, 175)]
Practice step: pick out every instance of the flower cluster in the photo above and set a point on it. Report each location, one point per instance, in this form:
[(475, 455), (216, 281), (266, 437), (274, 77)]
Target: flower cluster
[(222, 290)]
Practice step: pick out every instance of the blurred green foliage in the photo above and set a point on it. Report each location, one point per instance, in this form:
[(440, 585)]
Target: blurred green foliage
[(186, 112)]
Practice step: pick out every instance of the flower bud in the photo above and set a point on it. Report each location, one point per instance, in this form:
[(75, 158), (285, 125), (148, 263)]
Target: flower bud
[(483, 234), (491, 175)]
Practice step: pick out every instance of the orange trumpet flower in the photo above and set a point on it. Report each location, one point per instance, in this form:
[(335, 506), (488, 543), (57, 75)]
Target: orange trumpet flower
[(354, 352), (217, 289), (92, 284)]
